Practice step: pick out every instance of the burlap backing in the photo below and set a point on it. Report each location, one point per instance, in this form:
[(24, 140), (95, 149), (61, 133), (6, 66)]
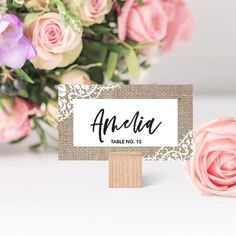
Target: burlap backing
[(185, 119)]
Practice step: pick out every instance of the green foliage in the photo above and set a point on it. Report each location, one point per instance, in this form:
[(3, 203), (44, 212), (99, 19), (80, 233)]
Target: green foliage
[(100, 29), (111, 64), (103, 55), (68, 17), (96, 74), (2, 106), (41, 134), (14, 4), (23, 75), (23, 93), (140, 2), (18, 141), (10, 102), (133, 65)]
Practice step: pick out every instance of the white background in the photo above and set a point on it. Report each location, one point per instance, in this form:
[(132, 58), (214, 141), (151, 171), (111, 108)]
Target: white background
[(85, 112), (209, 60)]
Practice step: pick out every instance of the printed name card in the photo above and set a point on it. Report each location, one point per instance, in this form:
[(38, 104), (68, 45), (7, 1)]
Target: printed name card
[(95, 120), (125, 123)]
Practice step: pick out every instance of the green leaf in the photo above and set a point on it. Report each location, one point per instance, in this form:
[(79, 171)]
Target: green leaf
[(96, 74), (61, 8), (120, 49), (18, 140), (23, 93), (68, 17), (74, 22), (147, 45), (2, 106), (41, 133), (94, 51), (103, 54), (23, 75), (10, 101), (100, 29), (116, 78), (35, 146), (111, 64), (35, 95), (133, 65), (140, 2), (14, 4)]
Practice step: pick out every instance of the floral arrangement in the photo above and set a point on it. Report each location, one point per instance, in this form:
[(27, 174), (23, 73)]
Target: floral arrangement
[(47, 42)]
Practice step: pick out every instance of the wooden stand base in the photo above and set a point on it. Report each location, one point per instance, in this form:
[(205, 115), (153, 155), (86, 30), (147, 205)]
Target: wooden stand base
[(125, 170)]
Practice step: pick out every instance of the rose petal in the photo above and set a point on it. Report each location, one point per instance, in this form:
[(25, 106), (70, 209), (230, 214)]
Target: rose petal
[(223, 182), (181, 28), (122, 19), (218, 145), (15, 124), (213, 169), (211, 158)]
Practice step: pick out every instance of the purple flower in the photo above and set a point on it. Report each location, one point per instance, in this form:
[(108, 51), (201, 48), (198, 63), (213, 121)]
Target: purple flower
[(15, 48)]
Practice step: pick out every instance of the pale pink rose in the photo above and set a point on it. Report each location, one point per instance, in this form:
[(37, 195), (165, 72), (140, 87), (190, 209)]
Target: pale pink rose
[(75, 76), (39, 5), (146, 22), (90, 11), (181, 23), (56, 44), (213, 168), (15, 122)]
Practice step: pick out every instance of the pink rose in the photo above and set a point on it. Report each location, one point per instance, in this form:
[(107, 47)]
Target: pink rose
[(56, 44), (75, 76), (181, 23), (213, 168), (15, 122), (90, 11), (146, 22)]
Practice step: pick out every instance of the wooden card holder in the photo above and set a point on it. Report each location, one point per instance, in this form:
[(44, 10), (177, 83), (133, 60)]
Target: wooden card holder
[(125, 170)]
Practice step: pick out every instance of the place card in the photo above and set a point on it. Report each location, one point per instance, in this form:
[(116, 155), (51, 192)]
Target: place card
[(95, 120)]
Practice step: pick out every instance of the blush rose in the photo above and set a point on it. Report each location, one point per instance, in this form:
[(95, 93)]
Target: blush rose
[(56, 44), (90, 11), (15, 122), (181, 23), (146, 22), (154, 21), (75, 76), (213, 168)]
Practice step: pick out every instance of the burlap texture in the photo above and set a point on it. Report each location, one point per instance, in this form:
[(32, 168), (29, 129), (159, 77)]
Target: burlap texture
[(185, 119)]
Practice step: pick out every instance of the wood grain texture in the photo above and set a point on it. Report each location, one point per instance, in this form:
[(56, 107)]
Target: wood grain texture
[(125, 170)]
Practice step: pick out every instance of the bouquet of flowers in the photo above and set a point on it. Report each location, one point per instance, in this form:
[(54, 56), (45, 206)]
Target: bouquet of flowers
[(47, 42)]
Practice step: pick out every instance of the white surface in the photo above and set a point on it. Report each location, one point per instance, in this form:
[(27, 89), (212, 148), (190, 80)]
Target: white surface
[(208, 61), (40, 195)]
